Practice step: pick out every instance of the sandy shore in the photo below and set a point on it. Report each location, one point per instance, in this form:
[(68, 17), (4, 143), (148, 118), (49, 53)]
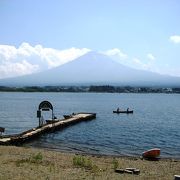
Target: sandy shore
[(29, 163)]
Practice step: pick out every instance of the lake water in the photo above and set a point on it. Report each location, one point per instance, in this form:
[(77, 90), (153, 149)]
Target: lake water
[(154, 123)]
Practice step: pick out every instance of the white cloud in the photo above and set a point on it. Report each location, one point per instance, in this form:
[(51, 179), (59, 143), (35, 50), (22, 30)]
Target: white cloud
[(137, 63), (16, 69), (124, 59), (150, 57), (154, 67), (7, 52), (175, 39), (27, 59), (116, 52), (149, 66)]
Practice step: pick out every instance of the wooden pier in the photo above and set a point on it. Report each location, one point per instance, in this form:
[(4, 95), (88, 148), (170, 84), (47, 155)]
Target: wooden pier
[(50, 126)]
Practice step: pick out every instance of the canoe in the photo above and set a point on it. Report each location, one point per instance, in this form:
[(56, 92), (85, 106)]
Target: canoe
[(127, 112), (151, 153)]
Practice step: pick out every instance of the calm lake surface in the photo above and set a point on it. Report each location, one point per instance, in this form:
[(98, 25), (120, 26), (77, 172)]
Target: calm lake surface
[(155, 122)]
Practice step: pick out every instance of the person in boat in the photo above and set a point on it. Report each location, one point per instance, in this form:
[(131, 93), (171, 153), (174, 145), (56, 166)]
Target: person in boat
[(118, 109), (127, 109)]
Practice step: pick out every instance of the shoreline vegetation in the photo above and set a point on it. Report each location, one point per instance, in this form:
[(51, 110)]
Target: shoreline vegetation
[(89, 89), (31, 163)]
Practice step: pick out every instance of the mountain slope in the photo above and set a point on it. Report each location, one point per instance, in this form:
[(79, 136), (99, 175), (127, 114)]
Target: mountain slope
[(93, 68)]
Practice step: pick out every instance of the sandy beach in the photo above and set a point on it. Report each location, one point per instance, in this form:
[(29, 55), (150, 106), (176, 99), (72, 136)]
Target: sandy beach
[(31, 163)]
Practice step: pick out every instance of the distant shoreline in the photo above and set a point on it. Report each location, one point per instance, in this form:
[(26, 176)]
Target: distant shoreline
[(91, 89)]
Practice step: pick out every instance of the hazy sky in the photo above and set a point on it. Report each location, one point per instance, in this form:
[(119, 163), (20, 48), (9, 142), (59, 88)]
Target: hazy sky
[(40, 34)]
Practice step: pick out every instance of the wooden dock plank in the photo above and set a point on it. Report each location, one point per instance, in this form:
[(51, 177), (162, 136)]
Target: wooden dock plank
[(32, 133)]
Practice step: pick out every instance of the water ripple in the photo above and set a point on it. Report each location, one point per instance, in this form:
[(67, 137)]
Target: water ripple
[(155, 122)]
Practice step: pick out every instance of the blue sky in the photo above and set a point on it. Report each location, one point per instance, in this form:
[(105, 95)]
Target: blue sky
[(138, 33)]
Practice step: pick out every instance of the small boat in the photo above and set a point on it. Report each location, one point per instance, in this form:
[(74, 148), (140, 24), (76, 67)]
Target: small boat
[(176, 177), (151, 153), (51, 121), (67, 116), (127, 112)]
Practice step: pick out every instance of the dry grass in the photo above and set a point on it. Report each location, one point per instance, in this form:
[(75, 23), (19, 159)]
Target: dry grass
[(26, 163)]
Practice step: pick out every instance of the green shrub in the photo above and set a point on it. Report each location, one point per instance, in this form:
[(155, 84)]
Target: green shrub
[(115, 164), (36, 159), (81, 161)]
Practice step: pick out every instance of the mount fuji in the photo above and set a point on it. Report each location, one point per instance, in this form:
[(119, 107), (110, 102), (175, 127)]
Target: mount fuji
[(93, 68)]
